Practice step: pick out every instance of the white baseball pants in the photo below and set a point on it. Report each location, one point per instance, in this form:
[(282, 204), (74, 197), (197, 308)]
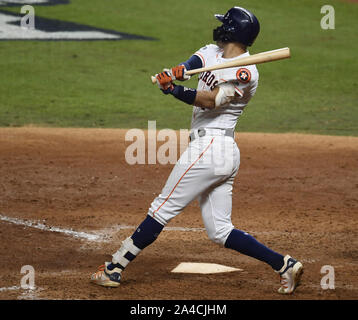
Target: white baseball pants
[(205, 171)]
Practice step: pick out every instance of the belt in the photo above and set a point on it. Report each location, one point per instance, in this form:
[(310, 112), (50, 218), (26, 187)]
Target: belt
[(201, 132)]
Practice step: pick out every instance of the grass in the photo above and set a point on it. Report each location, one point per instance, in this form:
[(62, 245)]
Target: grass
[(106, 83)]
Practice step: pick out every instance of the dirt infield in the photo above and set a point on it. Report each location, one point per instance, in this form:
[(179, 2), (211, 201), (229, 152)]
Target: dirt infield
[(296, 193)]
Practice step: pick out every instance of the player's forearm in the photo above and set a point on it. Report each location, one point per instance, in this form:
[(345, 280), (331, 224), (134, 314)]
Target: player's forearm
[(205, 99)]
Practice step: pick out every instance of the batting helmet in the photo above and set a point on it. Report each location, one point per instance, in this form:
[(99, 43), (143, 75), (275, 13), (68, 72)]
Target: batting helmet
[(239, 25)]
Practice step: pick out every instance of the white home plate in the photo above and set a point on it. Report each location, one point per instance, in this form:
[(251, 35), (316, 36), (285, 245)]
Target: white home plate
[(205, 268)]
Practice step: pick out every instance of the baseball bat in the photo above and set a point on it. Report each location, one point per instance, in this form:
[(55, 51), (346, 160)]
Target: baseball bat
[(257, 58)]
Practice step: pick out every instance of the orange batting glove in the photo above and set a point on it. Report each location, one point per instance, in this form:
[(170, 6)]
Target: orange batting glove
[(164, 80), (179, 73)]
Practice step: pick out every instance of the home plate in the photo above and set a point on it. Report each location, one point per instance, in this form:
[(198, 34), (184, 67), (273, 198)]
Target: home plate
[(205, 268)]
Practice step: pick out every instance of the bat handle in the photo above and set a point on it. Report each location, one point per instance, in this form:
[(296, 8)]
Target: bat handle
[(154, 79)]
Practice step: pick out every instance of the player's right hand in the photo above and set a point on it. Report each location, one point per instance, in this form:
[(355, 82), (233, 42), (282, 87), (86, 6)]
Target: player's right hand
[(164, 80)]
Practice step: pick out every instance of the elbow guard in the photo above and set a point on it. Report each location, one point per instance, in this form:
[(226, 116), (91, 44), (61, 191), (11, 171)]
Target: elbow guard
[(226, 94)]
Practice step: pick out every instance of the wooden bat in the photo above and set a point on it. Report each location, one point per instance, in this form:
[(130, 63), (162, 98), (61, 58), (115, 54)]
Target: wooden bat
[(257, 58)]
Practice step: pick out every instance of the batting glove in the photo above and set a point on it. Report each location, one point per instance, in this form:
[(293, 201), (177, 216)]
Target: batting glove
[(179, 73), (164, 80)]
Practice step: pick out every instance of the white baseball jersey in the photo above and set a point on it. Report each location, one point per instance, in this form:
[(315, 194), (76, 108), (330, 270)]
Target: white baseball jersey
[(245, 78)]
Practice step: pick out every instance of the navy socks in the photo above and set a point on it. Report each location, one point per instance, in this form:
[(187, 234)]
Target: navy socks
[(248, 245), (144, 235), (147, 232)]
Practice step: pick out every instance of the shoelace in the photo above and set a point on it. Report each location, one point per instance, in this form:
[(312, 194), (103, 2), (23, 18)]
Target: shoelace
[(283, 282), (99, 271)]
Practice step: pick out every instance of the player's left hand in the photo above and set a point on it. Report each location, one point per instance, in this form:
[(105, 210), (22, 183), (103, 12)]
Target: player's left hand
[(164, 80)]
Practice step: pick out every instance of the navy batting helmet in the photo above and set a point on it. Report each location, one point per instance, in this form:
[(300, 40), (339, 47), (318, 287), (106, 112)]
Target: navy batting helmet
[(239, 25)]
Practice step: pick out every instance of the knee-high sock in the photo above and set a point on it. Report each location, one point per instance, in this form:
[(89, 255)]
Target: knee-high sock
[(146, 233), (248, 245)]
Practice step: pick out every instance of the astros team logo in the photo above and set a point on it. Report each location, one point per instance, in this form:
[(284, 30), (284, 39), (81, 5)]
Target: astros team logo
[(243, 75)]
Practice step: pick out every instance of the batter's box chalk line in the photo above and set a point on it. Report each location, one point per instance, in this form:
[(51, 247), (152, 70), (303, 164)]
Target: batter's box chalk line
[(25, 294), (102, 235), (10, 288), (41, 226)]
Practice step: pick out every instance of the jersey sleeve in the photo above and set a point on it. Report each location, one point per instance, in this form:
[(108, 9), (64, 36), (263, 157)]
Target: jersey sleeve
[(194, 62), (205, 52)]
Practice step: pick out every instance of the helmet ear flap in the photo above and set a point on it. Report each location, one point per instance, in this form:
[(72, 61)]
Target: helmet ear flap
[(220, 34)]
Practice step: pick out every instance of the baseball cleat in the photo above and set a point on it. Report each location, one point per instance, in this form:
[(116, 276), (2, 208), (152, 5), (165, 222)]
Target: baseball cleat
[(108, 275), (290, 275)]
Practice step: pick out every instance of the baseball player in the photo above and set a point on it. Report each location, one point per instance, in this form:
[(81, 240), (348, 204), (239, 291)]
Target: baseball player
[(207, 168)]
